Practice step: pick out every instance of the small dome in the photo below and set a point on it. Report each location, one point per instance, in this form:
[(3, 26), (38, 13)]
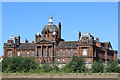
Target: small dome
[(54, 33), (50, 28), (38, 34)]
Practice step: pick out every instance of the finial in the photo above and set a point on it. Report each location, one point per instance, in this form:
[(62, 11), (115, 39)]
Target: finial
[(26, 41), (50, 20), (79, 35)]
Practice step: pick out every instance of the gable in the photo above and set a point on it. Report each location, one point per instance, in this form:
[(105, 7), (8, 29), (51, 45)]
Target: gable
[(44, 42)]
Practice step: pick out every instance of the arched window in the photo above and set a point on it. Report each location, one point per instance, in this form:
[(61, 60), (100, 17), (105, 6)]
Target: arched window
[(84, 51)]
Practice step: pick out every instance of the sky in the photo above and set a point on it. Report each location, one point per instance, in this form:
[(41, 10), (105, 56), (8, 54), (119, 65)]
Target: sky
[(28, 18)]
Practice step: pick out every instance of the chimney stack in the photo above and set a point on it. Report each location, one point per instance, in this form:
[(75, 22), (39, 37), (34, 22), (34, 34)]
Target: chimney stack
[(59, 26), (97, 38), (26, 41), (18, 39)]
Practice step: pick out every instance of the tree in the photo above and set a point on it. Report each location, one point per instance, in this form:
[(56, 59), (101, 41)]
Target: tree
[(77, 64), (97, 66), (112, 66), (118, 61), (18, 64)]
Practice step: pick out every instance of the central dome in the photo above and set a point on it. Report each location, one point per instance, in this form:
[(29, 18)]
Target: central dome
[(50, 27)]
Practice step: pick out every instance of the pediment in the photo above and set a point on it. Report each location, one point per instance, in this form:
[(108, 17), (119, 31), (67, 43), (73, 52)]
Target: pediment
[(44, 42)]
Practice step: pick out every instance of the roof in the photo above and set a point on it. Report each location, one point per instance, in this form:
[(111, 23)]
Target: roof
[(67, 44), (27, 46), (50, 27)]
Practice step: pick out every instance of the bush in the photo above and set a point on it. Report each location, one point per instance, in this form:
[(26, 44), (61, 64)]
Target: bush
[(97, 66), (49, 67), (76, 65), (18, 64)]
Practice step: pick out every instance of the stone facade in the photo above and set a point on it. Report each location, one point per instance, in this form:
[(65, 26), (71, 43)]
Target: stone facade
[(49, 46)]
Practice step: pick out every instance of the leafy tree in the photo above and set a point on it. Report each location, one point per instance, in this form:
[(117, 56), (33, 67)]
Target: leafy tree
[(97, 66), (118, 61), (49, 67), (112, 66), (18, 64), (77, 64)]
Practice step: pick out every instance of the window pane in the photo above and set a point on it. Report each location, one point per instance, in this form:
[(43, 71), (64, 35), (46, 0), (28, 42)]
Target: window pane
[(69, 59), (58, 60), (63, 53), (58, 53), (23, 53), (68, 53), (63, 60), (18, 53), (51, 54), (28, 54), (33, 53), (9, 53), (74, 52), (45, 54), (84, 51)]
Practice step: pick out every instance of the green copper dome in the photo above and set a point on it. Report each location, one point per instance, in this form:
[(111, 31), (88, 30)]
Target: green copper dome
[(50, 27)]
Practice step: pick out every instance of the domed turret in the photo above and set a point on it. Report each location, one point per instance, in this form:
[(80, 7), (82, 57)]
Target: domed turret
[(54, 33)]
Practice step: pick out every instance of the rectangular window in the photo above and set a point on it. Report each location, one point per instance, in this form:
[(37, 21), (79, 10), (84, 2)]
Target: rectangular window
[(23, 53), (28, 54), (63, 53), (74, 52), (33, 53), (9, 53), (45, 53), (69, 59), (51, 54), (69, 53), (18, 53), (63, 60), (58, 60), (84, 51), (58, 53)]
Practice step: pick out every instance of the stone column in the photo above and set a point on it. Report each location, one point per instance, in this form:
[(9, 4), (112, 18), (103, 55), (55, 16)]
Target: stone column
[(53, 52), (36, 51), (105, 56)]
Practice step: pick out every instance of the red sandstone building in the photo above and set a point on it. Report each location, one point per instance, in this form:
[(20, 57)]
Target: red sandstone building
[(49, 46)]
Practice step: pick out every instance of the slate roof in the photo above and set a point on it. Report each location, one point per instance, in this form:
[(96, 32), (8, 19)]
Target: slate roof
[(27, 46), (67, 44)]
